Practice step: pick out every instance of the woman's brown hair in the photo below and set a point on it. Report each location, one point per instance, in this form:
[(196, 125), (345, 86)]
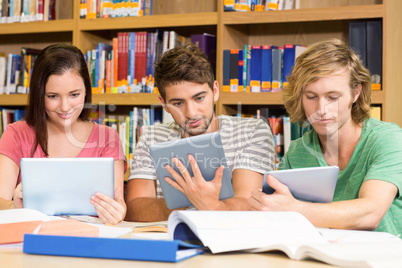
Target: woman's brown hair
[(53, 60)]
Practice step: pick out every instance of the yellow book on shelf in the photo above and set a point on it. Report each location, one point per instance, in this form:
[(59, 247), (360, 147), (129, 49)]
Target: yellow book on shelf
[(376, 112)]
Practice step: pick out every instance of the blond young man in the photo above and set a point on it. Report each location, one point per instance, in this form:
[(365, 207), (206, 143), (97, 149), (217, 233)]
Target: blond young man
[(330, 88)]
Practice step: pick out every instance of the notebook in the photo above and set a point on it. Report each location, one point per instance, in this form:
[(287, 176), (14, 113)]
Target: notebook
[(207, 150), (315, 184), (64, 186)]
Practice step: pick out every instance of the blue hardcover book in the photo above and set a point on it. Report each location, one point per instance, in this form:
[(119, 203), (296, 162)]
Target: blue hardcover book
[(290, 53), (110, 248), (289, 57), (226, 71), (266, 68), (255, 69)]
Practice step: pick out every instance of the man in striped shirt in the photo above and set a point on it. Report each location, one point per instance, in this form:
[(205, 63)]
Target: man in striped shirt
[(188, 91)]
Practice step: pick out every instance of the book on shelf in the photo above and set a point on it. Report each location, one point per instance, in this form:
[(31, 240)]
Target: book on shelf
[(358, 39), (234, 70), (3, 72), (266, 68), (13, 73), (376, 111), (286, 231), (277, 59), (255, 69), (206, 42), (374, 52), (290, 53), (226, 71)]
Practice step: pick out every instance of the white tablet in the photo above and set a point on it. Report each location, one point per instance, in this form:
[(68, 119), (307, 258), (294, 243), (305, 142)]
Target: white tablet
[(64, 186), (207, 150), (315, 184)]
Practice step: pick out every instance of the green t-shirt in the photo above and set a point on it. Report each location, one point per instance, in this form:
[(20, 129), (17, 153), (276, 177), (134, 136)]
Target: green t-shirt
[(378, 155)]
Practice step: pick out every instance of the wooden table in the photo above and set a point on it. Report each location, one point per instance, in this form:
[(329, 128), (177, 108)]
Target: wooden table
[(13, 258)]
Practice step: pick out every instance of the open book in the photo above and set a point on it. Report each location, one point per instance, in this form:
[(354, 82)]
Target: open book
[(289, 232)]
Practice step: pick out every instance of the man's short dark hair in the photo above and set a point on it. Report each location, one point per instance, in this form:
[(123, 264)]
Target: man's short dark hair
[(184, 63)]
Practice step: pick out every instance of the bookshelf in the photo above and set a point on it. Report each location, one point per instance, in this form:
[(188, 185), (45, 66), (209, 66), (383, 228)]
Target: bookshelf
[(316, 20)]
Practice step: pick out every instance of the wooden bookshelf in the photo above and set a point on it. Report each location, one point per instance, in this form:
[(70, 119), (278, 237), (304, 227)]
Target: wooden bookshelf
[(316, 20)]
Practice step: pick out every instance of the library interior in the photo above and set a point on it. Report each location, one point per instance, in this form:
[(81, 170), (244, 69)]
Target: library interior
[(252, 46)]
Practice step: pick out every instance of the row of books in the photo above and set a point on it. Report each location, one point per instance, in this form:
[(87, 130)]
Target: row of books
[(259, 5), (127, 66), (258, 68), (92, 9), (15, 71), (27, 10), (132, 126)]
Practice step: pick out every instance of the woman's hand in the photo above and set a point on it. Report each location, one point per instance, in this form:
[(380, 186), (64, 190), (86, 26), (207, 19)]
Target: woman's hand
[(18, 202), (110, 210)]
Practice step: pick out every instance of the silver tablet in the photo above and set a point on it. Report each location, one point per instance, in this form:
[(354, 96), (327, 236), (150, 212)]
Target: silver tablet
[(315, 184), (207, 150), (64, 186)]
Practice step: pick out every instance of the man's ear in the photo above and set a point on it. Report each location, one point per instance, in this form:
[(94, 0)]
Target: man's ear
[(358, 91), (216, 91), (163, 104)]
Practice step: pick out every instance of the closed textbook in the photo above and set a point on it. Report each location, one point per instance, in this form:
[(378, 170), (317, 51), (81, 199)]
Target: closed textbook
[(110, 248)]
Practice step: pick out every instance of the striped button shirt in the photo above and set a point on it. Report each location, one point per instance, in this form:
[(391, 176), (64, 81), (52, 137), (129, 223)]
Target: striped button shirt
[(247, 143)]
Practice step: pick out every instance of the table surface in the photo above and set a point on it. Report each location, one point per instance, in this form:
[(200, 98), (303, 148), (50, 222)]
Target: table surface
[(15, 258)]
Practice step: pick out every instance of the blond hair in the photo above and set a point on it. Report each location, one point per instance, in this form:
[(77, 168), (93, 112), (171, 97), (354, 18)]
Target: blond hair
[(323, 59)]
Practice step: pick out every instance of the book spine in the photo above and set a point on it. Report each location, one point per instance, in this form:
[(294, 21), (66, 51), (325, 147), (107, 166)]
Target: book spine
[(96, 247), (266, 68), (374, 52), (234, 70), (277, 57), (358, 39), (226, 71), (255, 69), (289, 55)]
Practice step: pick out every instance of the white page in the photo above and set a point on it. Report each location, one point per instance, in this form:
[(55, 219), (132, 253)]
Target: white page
[(356, 236), (22, 215), (383, 254)]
